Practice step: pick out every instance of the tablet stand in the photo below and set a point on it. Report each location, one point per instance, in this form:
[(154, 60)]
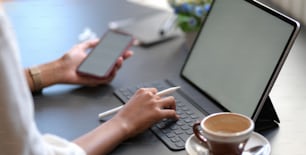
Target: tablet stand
[(267, 118)]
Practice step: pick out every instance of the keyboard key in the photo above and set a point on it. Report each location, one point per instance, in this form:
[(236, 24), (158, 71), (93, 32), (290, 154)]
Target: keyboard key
[(180, 144)]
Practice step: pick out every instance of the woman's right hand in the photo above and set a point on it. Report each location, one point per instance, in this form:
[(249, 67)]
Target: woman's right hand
[(144, 109)]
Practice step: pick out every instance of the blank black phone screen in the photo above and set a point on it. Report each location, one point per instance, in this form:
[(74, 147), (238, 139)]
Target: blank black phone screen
[(101, 59)]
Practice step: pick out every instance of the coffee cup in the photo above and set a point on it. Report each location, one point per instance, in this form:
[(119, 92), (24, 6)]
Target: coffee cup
[(224, 133)]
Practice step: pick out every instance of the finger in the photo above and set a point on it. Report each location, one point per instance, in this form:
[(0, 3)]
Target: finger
[(169, 113), (111, 76), (167, 103), (114, 70), (89, 44), (127, 54), (119, 63), (151, 90), (120, 60)]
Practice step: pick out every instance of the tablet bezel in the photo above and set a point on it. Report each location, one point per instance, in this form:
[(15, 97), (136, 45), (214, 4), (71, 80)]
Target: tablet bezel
[(277, 68)]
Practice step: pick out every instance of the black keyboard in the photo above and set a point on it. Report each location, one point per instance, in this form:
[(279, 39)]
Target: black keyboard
[(173, 133)]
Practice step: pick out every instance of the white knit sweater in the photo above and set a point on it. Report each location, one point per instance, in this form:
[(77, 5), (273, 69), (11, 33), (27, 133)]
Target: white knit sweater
[(18, 132)]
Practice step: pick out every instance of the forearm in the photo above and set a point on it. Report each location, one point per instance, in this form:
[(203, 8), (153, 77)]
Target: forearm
[(104, 138)]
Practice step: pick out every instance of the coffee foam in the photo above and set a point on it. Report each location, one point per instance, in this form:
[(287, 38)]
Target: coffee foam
[(227, 127), (229, 123)]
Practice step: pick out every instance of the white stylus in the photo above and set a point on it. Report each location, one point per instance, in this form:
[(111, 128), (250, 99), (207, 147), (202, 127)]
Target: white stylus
[(161, 93)]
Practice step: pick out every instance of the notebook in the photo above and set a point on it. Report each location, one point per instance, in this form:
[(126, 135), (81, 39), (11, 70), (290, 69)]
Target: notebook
[(234, 61)]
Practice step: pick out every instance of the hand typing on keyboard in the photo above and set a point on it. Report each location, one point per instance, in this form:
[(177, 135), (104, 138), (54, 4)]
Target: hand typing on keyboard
[(172, 132), (144, 109)]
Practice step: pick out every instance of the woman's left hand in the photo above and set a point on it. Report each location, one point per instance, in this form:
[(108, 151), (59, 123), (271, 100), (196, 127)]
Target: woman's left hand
[(72, 59)]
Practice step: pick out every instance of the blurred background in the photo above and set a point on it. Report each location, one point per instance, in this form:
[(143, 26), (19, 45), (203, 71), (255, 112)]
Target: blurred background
[(294, 8)]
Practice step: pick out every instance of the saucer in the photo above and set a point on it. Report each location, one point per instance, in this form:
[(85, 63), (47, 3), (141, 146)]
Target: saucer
[(193, 145)]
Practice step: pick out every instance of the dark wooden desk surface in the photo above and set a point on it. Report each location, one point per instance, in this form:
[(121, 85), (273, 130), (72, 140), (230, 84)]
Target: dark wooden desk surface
[(46, 29)]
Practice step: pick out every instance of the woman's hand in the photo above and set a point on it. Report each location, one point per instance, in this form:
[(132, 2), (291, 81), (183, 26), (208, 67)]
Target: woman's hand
[(64, 69), (144, 109), (72, 59)]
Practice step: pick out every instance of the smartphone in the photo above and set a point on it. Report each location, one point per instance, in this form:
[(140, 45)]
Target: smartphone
[(102, 58)]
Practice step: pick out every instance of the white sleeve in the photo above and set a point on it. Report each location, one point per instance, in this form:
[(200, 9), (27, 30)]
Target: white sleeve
[(18, 132), (61, 146)]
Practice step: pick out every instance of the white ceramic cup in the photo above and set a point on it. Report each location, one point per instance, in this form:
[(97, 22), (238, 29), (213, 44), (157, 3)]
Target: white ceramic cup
[(224, 133)]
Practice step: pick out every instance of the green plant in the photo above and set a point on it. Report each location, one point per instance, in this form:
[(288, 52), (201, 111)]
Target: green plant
[(191, 13)]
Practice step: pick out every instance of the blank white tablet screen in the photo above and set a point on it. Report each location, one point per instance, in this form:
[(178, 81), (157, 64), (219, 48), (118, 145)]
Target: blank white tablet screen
[(236, 53)]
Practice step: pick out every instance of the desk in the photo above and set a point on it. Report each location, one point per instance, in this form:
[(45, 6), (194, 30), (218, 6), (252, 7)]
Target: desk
[(69, 111)]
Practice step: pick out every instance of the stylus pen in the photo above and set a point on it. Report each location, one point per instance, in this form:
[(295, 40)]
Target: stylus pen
[(161, 93)]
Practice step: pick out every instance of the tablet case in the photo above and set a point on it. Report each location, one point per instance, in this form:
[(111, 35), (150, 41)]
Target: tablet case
[(267, 118)]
